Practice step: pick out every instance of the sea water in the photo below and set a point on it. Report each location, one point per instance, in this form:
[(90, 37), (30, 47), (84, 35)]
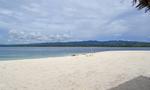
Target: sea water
[(16, 53)]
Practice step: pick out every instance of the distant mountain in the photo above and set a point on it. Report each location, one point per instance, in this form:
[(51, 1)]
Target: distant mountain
[(85, 44)]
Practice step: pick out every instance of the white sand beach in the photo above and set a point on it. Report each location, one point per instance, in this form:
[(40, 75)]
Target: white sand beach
[(97, 71)]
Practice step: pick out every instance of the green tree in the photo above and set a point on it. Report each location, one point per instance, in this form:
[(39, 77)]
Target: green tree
[(142, 4)]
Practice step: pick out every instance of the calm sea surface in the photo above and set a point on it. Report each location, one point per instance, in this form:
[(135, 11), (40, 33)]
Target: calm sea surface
[(13, 53)]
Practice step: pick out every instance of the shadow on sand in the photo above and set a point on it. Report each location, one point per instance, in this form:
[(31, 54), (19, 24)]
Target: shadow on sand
[(139, 83)]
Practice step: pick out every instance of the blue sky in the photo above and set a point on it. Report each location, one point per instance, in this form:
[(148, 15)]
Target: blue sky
[(30, 21)]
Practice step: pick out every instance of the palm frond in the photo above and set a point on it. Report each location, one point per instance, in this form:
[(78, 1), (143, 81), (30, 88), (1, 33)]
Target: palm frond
[(140, 4)]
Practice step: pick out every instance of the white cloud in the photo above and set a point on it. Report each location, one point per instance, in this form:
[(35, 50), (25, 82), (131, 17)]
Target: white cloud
[(6, 11), (116, 27), (28, 37)]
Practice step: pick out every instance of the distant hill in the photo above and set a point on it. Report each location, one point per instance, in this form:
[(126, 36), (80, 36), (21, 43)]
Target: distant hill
[(85, 44)]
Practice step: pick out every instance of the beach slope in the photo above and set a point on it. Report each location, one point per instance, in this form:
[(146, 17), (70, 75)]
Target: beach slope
[(111, 70)]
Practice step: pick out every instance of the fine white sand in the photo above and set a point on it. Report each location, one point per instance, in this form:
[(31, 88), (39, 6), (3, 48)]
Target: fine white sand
[(98, 71)]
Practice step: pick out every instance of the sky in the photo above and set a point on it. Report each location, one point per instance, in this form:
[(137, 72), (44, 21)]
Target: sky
[(34, 21)]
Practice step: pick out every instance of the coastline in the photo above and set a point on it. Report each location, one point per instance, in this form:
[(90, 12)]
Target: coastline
[(71, 56), (93, 71)]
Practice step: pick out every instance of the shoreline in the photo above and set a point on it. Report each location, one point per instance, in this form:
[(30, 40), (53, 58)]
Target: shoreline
[(75, 55), (94, 71)]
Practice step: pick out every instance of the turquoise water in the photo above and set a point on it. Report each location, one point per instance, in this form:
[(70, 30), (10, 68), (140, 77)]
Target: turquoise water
[(13, 53)]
